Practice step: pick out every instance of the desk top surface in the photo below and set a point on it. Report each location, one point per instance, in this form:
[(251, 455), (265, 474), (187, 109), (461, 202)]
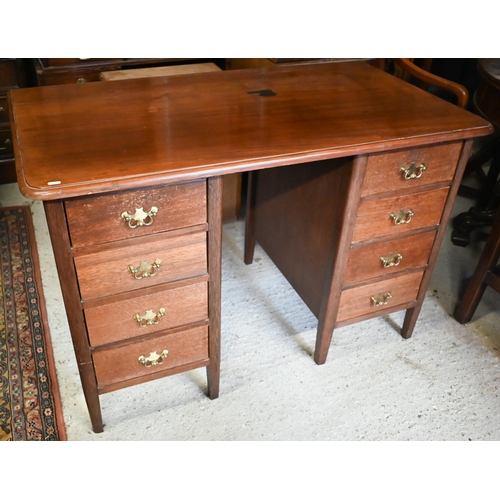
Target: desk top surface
[(73, 140)]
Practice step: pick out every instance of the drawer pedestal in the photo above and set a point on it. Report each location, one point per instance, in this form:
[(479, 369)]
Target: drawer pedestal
[(130, 324), (357, 237)]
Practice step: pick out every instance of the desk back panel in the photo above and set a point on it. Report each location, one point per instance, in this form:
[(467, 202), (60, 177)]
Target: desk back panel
[(298, 219)]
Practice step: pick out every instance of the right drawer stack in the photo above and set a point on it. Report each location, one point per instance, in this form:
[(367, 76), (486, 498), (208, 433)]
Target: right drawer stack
[(141, 262), (402, 201)]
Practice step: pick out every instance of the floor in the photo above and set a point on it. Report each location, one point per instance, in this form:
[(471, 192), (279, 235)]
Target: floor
[(442, 384)]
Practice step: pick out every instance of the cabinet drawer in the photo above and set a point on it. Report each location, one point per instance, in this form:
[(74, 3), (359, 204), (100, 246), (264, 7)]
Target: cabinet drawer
[(9, 77), (379, 259), (114, 322), (120, 364), (107, 272), (356, 302), (6, 147), (98, 219), (374, 216), (4, 111), (384, 170)]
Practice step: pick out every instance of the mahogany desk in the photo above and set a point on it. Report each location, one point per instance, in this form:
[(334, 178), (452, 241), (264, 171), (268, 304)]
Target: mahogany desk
[(130, 176)]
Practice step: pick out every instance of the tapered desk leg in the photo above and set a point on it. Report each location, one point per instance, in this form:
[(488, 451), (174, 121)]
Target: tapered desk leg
[(56, 220), (214, 291), (250, 218)]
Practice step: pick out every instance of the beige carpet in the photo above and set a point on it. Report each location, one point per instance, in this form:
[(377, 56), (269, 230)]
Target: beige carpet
[(442, 384)]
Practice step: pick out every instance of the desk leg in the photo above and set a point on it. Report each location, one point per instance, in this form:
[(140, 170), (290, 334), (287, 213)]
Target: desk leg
[(56, 220), (250, 219), (214, 290), (327, 317), (413, 313)]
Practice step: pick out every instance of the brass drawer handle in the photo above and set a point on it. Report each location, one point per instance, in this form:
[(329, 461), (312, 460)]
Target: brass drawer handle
[(413, 172), (140, 217), (402, 217), (145, 270), (153, 359), (391, 260), (150, 318), (381, 299)]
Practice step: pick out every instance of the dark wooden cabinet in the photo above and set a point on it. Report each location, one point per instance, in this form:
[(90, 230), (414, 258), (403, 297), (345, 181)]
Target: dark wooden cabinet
[(57, 71), (12, 76)]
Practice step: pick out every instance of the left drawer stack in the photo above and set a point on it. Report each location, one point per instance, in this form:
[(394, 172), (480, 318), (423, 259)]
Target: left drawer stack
[(141, 265)]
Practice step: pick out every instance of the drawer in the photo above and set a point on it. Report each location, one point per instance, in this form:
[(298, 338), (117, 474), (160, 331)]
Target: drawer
[(7, 171), (70, 75), (116, 321), (120, 364), (107, 272), (384, 171), (4, 111), (9, 77), (356, 302), (98, 219), (6, 147), (374, 217), (379, 259)]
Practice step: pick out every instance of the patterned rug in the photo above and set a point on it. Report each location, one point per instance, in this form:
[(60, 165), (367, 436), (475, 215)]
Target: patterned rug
[(30, 408)]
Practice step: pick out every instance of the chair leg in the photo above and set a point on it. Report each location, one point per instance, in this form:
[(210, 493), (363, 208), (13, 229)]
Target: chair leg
[(477, 285), (483, 213)]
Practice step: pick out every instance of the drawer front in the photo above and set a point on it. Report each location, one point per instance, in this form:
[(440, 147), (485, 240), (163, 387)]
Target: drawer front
[(379, 259), (374, 218), (8, 73), (356, 302), (98, 219), (4, 111), (107, 272), (128, 318), (8, 170), (120, 364), (70, 76), (6, 147), (403, 169)]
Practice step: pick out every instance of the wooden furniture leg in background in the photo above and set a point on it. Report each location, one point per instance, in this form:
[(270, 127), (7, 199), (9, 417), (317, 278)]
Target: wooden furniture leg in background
[(484, 275), (250, 218)]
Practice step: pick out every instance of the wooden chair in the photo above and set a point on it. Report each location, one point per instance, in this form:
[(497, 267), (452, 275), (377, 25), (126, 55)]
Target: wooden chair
[(485, 274), (487, 195), (406, 68)]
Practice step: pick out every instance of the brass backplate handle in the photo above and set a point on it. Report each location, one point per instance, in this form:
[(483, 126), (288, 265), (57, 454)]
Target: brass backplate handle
[(391, 260), (402, 217), (413, 171), (145, 270), (381, 299), (153, 359), (150, 318), (140, 217)]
